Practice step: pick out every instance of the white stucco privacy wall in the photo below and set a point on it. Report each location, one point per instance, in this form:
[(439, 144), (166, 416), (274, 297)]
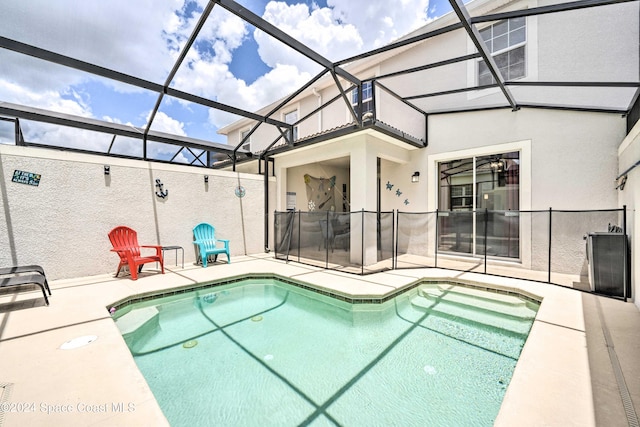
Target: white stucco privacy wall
[(62, 224)]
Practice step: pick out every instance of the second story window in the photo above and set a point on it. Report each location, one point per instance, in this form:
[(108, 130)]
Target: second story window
[(291, 117), (247, 143), (367, 97), (506, 41)]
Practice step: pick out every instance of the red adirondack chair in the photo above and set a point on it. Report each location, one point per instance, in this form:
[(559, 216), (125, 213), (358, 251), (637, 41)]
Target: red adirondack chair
[(125, 243)]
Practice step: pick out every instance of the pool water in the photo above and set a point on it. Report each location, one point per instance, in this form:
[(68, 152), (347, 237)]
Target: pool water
[(262, 352)]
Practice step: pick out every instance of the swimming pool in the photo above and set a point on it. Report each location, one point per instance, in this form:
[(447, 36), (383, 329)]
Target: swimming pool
[(264, 352)]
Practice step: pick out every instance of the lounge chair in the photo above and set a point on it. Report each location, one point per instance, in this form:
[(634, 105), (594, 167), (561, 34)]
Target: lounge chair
[(125, 243), (205, 238), (16, 278), (33, 268)]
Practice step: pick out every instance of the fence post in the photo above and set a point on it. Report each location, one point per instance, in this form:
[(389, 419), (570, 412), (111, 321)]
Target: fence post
[(625, 279), (437, 231), (486, 224), (299, 235), (275, 232), (326, 243), (549, 270), (394, 256), (362, 242)]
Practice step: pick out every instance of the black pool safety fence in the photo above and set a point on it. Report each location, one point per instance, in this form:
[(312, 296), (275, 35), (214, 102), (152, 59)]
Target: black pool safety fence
[(587, 250)]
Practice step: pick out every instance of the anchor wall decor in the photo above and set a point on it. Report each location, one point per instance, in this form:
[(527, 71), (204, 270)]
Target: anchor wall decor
[(161, 193)]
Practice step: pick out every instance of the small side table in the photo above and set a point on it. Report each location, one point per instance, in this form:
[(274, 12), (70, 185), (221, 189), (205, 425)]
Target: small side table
[(174, 248)]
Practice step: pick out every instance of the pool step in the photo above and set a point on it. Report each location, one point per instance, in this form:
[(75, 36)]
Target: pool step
[(487, 330), (504, 304), (488, 318), (137, 324)]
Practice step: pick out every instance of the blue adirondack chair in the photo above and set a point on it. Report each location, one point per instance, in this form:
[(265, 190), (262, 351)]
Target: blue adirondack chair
[(205, 238)]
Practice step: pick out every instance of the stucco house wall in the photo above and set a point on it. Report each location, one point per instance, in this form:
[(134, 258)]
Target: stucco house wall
[(573, 154), (62, 223)]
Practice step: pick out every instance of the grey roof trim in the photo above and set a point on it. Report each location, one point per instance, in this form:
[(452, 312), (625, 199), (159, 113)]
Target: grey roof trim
[(532, 105), (575, 108), (554, 8), (574, 84), (348, 129)]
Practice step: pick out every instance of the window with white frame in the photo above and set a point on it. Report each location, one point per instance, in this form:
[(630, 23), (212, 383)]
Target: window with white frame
[(290, 118), (247, 143), (506, 40), (367, 97)]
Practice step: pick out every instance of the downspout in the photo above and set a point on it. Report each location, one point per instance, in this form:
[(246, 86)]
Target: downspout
[(319, 95), (266, 203), (264, 156)]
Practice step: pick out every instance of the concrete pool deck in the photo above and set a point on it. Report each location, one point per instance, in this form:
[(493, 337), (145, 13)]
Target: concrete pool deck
[(580, 365)]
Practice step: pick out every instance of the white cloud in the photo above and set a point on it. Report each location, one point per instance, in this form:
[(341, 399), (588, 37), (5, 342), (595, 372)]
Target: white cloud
[(380, 22), (339, 31), (283, 79), (212, 79), (130, 37), (140, 38), (49, 99), (316, 28), (163, 123)]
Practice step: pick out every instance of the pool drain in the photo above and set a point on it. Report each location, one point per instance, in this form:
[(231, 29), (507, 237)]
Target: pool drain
[(256, 318), (190, 344), (210, 298)]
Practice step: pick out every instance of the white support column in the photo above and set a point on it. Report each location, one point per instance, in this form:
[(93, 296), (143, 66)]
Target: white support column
[(363, 196)]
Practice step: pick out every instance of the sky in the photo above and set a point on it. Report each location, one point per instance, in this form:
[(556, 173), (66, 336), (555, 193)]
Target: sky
[(231, 62)]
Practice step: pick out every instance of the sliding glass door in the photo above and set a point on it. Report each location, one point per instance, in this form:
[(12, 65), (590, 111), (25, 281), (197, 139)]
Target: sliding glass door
[(478, 203)]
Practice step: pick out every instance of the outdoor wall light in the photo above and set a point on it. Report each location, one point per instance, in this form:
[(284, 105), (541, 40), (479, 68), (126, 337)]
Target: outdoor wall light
[(415, 177), (206, 179), (107, 169)]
